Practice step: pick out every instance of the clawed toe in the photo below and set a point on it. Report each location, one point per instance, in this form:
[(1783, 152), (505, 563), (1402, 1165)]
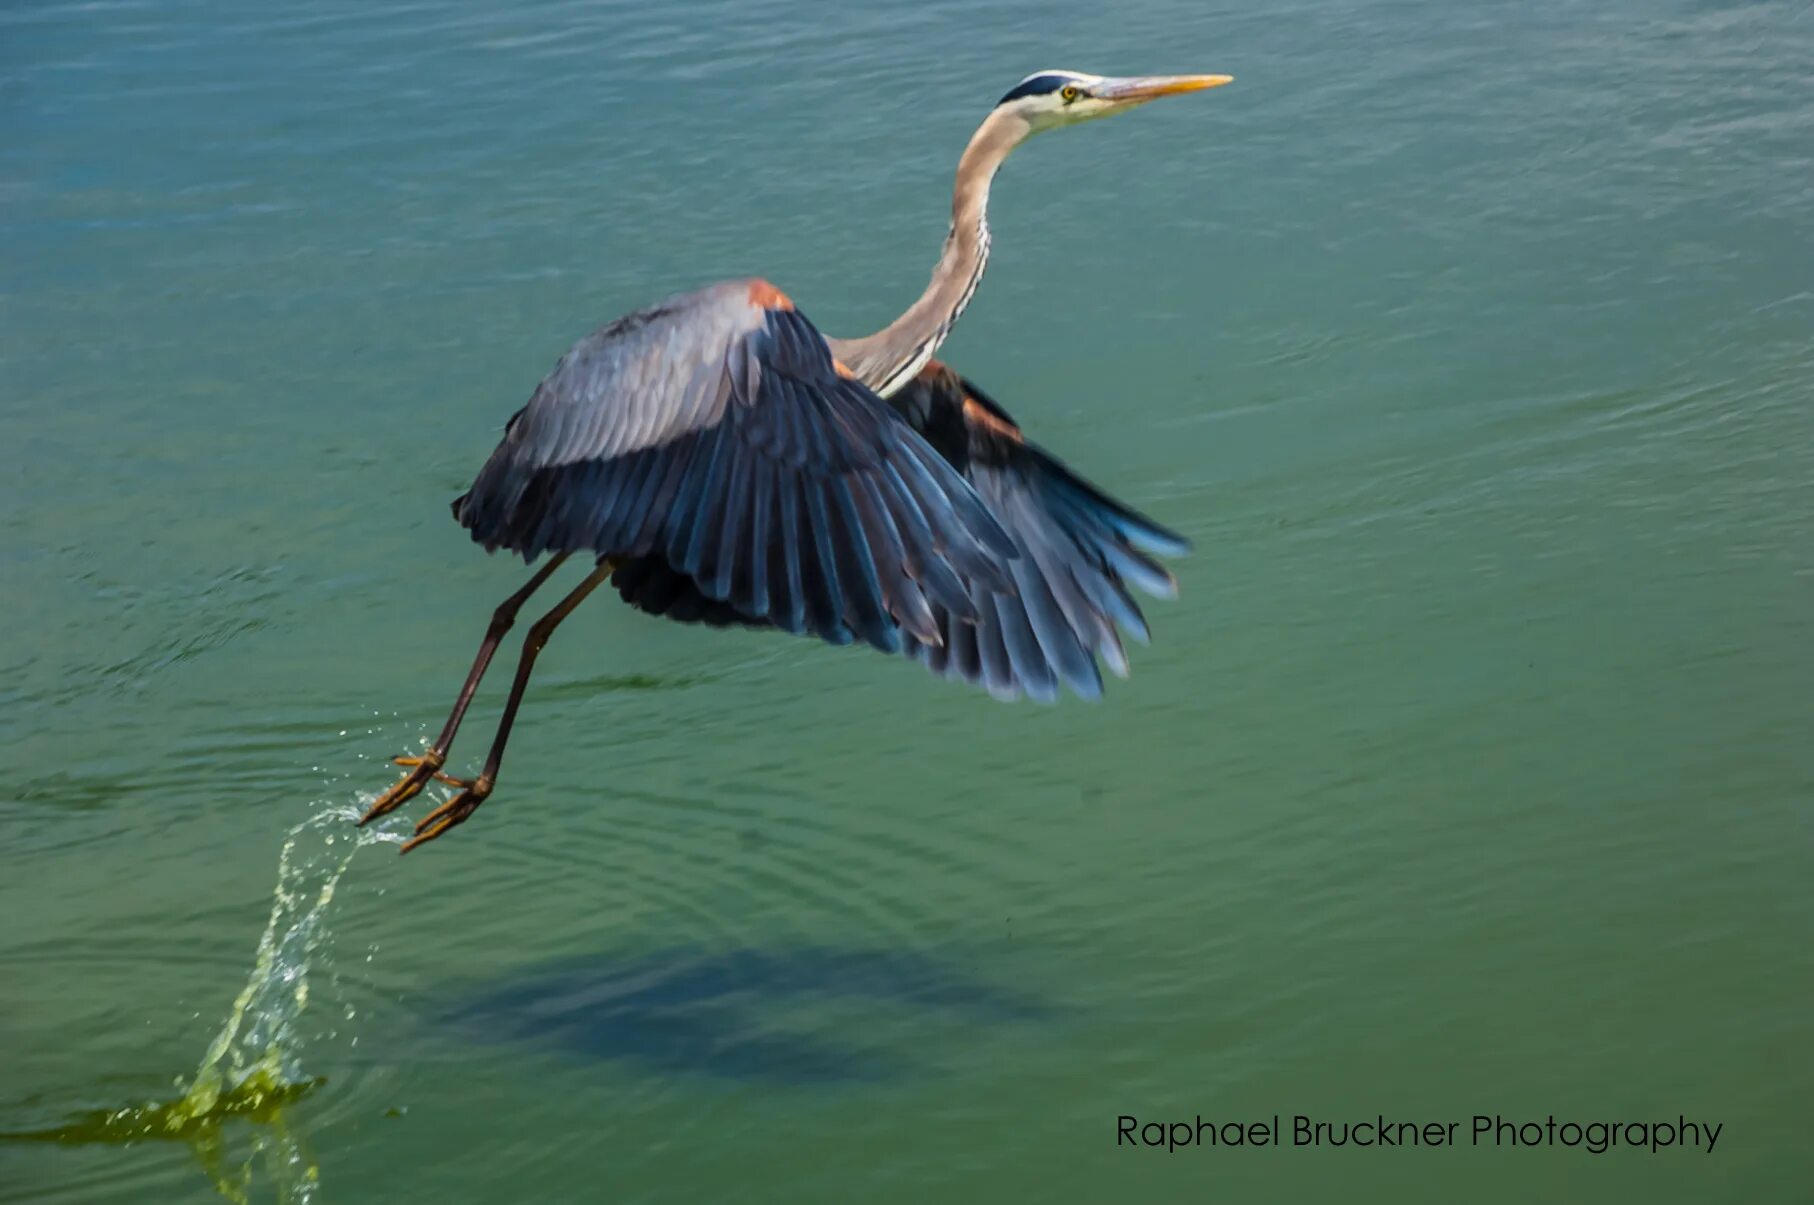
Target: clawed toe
[(449, 779), (422, 770), (454, 812)]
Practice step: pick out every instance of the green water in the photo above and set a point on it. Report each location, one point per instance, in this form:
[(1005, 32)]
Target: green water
[(1470, 774)]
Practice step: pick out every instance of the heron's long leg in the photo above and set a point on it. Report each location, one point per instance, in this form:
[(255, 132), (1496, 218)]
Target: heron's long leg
[(456, 810), (429, 764)]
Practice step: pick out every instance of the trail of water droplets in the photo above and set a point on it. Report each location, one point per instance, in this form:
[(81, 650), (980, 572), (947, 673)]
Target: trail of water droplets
[(262, 1023), (252, 1069), (257, 1050)]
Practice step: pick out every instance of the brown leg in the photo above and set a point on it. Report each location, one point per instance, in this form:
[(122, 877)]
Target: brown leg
[(429, 764), (456, 810)]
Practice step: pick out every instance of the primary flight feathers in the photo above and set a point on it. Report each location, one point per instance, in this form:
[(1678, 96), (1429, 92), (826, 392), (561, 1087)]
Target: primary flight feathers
[(1034, 622)]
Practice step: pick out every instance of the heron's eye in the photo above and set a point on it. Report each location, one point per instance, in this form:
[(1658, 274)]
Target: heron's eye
[(1069, 93)]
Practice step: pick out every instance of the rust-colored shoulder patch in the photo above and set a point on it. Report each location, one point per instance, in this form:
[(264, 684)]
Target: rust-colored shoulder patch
[(939, 375), (978, 415), (765, 296), (844, 370)]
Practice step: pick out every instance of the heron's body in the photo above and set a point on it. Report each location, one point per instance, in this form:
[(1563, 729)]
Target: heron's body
[(768, 479), (724, 463)]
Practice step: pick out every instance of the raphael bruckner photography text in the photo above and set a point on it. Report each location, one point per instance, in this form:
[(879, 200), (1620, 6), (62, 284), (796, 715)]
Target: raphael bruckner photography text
[(1596, 1136)]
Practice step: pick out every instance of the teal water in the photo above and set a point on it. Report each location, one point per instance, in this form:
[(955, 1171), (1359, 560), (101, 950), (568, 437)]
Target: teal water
[(1469, 774)]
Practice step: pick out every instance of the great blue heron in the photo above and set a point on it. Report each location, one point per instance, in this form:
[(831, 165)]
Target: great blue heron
[(724, 463)]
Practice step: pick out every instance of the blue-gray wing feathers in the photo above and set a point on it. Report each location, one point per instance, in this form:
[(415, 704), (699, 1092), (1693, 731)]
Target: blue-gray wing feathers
[(1070, 599), (713, 436), (1078, 553)]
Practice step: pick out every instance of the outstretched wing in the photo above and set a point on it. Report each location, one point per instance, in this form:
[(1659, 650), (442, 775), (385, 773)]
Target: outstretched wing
[(1078, 550), (714, 436)]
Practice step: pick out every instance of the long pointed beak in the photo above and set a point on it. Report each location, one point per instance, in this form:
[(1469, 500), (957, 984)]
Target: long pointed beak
[(1138, 89)]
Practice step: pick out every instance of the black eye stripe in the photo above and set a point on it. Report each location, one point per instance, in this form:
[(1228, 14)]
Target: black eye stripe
[(1039, 85)]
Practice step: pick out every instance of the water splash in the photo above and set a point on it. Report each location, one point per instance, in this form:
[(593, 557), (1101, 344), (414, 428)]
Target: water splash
[(251, 1069)]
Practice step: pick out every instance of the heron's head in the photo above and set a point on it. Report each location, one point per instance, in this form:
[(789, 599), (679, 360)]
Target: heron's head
[(1047, 100)]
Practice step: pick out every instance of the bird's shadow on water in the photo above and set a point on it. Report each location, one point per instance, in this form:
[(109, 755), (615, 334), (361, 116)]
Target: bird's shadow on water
[(791, 1015)]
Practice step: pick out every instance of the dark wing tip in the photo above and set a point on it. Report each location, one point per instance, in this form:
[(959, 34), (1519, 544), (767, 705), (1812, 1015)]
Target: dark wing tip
[(1077, 553)]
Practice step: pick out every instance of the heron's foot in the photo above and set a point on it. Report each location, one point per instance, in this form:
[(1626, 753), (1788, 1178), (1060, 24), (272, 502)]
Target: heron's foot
[(454, 811), (422, 769), (439, 760)]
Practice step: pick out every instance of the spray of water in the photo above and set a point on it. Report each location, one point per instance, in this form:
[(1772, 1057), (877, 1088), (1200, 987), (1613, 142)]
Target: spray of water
[(251, 1069)]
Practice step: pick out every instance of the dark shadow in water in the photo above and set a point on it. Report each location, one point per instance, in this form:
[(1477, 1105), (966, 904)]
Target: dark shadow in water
[(585, 688), (741, 1014)]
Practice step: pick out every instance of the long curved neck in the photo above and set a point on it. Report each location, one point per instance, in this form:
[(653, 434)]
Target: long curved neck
[(888, 359)]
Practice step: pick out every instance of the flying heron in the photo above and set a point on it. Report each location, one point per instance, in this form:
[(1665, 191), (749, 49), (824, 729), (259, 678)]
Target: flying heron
[(722, 462)]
